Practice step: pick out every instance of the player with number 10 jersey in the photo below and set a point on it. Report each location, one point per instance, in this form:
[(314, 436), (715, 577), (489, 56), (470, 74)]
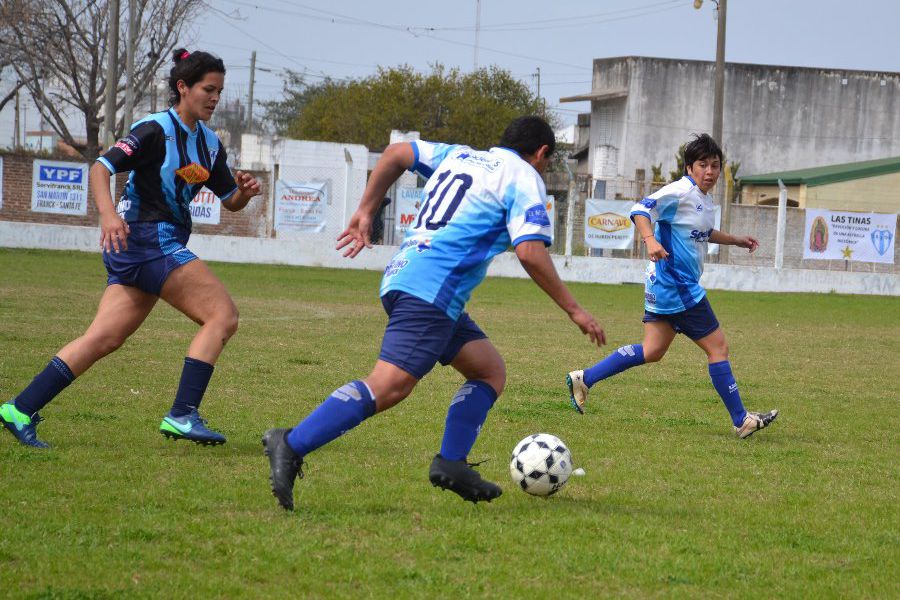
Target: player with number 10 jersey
[(475, 205)]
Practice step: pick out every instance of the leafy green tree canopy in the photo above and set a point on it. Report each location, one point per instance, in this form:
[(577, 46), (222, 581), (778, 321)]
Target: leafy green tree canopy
[(445, 105)]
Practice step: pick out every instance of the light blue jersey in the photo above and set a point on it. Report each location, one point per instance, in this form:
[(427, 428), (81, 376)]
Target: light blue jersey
[(475, 205), (684, 218)]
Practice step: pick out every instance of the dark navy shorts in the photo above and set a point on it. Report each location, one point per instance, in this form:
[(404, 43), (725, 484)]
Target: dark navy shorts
[(696, 322), (419, 335), (155, 249)]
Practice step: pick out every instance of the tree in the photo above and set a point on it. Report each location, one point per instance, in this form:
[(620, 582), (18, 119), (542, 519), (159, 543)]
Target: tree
[(57, 49), (447, 105)]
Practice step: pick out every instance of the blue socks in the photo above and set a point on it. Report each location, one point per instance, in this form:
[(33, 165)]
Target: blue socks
[(466, 415), (623, 358), (55, 377), (723, 381), (343, 410), (194, 378)]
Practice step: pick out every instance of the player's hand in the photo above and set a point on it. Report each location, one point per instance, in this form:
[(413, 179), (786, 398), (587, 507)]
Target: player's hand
[(751, 243), (248, 186), (589, 326), (113, 233), (655, 250), (357, 235)]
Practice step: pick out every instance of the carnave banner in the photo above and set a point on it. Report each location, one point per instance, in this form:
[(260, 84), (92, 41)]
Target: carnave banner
[(607, 224), (863, 237)]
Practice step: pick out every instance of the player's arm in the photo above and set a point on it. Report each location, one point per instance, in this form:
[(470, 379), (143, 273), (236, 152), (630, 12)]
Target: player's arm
[(396, 159), (113, 230), (537, 263), (741, 241), (655, 250)]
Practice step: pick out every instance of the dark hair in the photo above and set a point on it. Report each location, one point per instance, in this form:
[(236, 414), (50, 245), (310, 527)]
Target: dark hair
[(702, 146), (191, 67), (526, 135)]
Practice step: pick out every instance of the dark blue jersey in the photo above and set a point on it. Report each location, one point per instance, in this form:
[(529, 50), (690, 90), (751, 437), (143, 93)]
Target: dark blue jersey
[(169, 165)]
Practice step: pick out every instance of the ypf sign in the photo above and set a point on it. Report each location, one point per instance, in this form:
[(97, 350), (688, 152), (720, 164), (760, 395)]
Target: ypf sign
[(59, 187)]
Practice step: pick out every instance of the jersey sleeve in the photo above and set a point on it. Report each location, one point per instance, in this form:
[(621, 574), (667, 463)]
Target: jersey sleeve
[(429, 155), (143, 145), (659, 206), (221, 181), (526, 210)]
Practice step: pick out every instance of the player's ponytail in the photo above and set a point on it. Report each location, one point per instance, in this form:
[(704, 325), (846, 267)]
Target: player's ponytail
[(190, 67)]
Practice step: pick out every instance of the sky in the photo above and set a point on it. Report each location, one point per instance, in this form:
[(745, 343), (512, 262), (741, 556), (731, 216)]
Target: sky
[(352, 38)]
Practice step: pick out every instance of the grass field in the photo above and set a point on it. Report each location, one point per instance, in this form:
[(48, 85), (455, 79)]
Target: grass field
[(672, 504)]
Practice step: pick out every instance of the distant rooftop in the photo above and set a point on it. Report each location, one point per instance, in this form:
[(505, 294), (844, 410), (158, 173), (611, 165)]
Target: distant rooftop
[(828, 174)]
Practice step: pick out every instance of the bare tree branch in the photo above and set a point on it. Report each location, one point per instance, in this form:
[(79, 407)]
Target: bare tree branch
[(58, 51)]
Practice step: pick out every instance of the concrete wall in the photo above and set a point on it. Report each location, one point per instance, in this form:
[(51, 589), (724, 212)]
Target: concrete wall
[(776, 118), (308, 252)]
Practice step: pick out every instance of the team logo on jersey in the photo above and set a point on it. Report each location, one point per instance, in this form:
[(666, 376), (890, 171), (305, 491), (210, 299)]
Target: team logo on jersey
[(609, 222), (212, 156), (489, 165), (699, 208), (395, 266), (537, 215), (701, 236), (128, 144), (193, 173)]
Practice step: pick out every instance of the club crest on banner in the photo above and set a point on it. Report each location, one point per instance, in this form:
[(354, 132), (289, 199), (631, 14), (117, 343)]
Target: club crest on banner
[(881, 240)]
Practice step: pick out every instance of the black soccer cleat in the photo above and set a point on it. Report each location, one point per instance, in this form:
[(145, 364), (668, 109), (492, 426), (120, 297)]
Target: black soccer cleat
[(458, 476), (284, 465)]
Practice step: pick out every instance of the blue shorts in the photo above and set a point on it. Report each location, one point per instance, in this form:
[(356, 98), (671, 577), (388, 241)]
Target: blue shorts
[(155, 249), (419, 335), (696, 322)]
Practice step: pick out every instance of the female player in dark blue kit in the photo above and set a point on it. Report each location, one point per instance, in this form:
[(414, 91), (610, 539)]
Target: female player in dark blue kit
[(171, 156)]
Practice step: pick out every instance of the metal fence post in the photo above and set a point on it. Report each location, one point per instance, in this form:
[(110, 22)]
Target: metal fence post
[(780, 226), (570, 213)]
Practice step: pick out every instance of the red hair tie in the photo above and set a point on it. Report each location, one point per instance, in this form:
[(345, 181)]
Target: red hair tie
[(185, 54)]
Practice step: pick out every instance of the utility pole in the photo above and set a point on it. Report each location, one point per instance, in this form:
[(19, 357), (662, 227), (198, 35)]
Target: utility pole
[(250, 99), (718, 107), (17, 140), (129, 62), (112, 56), (477, 29)]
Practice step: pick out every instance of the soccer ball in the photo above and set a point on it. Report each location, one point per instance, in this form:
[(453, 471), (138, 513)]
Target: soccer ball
[(541, 464)]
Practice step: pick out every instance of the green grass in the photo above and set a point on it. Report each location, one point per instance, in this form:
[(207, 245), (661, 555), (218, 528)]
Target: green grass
[(672, 504)]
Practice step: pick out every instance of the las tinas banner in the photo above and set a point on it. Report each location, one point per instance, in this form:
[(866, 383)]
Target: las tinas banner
[(864, 237)]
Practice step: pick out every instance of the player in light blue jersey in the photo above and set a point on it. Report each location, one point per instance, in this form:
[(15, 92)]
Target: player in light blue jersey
[(476, 205), (676, 223)]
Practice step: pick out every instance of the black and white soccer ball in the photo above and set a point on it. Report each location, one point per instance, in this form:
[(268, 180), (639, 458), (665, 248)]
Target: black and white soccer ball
[(541, 464)]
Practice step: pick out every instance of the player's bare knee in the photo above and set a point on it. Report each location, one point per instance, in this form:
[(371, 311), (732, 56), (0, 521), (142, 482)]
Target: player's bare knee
[(652, 355)]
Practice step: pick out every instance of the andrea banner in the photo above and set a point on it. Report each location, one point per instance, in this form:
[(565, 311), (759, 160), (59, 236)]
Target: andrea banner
[(863, 237), (300, 206), (607, 224)]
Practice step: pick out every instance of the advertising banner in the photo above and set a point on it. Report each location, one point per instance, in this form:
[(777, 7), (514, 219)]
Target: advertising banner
[(606, 224), (59, 187), (300, 205), (863, 237), (206, 207), (409, 201), (551, 214)]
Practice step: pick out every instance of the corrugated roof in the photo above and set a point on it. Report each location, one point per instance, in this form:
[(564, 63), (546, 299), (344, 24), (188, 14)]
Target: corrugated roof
[(828, 174)]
